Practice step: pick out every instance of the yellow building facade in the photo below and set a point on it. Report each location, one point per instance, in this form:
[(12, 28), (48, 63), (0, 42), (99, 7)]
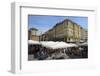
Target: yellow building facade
[(32, 34), (66, 30)]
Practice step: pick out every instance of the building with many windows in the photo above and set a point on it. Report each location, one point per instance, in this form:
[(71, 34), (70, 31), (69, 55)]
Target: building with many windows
[(32, 34), (67, 31)]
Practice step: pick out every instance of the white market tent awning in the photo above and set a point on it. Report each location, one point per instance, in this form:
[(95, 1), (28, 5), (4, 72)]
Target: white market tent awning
[(73, 45), (57, 45), (61, 45), (49, 44), (52, 44), (33, 42)]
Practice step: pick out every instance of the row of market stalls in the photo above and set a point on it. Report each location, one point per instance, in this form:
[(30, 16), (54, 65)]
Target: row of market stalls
[(57, 49), (54, 45)]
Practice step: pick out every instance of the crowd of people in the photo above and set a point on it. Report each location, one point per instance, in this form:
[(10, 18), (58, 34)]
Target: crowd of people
[(40, 52)]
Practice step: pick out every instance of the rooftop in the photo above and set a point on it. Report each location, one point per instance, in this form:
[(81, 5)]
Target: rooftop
[(33, 29), (64, 21)]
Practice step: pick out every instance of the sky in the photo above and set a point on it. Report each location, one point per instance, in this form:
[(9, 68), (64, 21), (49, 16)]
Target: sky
[(44, 23)]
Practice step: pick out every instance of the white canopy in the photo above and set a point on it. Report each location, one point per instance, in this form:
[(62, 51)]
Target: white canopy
[(33, 42), (73, 45), (61, 45), (52, 44), (49, 44), (57, 45)]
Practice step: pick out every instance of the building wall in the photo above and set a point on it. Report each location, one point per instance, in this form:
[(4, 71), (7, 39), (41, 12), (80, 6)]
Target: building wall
[(70, 29), (76, 32), (52, 34), (66, 31), (79, 33), (84, 34), (32, 35), (59, 30)]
